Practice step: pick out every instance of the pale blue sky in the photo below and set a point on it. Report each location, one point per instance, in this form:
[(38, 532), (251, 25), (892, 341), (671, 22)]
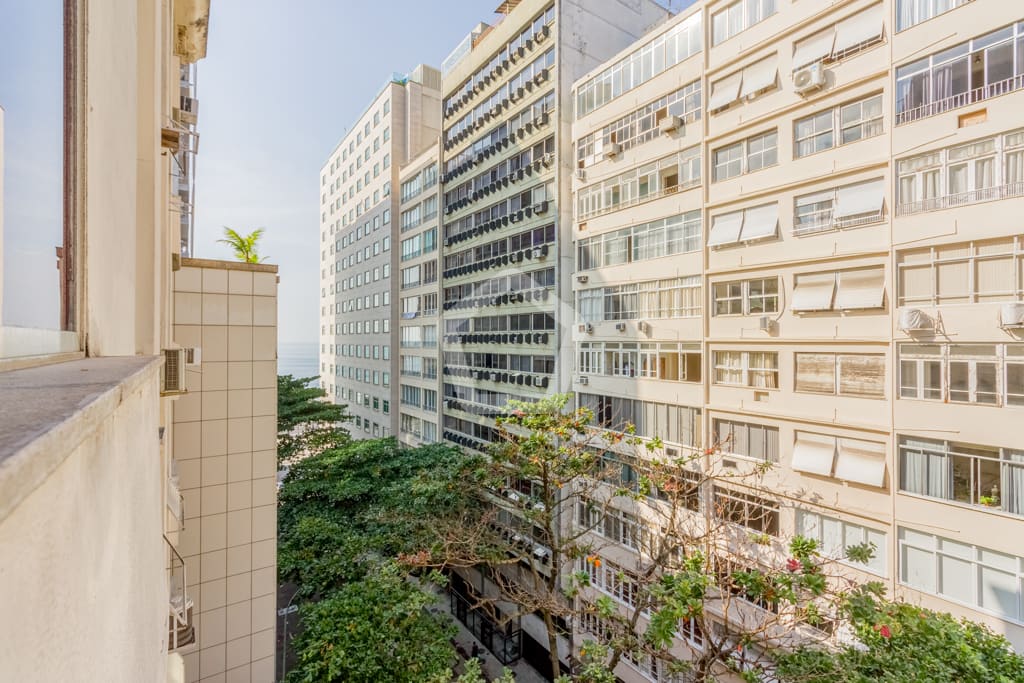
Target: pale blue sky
[(280, 84)]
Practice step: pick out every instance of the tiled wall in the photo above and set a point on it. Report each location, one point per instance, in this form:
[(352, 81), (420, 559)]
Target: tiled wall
[(224, 439)]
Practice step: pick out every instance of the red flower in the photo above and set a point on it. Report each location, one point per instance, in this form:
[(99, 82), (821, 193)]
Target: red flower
[(886, 633), (792, 564)]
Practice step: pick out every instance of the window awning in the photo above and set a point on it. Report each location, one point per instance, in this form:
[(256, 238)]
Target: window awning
[(757, 77), (861, 289), (760, 222), (725, 229), (814, 453), (725, 91), (814, 292), (814, 48), (863, 27), (860, 199), (861, 461)]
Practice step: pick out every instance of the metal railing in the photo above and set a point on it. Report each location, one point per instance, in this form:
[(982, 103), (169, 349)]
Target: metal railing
[(181, 629), (633, 201), (959, 100), (825, 220), (983, 194)]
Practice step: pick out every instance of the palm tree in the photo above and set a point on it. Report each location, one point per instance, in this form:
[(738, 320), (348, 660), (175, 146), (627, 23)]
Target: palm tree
[(243, 245)]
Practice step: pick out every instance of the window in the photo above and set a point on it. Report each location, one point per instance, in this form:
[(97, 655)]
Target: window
[(640, 126), (746, 84), (757, 222), (970, 72), (835, 536), (738, 17), (846, 459), (669, 361), (859, 375), (967, 272), (675, 298), (749, 440), (747, 156), (647, 61), (747, 510), (846, 290), (963, 572), (912, 12), (672, 423), (982, 170), (985, 476), (847, 38), (665, 237), (854, 121), (847, 206), (749, 297), (660, 178), (988, 374), (758, 369)]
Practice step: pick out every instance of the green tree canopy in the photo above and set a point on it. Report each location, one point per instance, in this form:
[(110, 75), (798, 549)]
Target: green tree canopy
[(306, 423)]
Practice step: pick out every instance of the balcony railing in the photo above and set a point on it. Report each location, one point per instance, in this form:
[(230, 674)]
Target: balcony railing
[(960, 100), (181, 628), (633, 201), (984, 194), (975, 480), (824, 221)]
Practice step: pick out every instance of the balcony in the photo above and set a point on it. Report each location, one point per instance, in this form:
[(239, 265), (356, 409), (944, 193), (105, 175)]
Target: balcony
[(984, 194), (963, 99), (181, 627)]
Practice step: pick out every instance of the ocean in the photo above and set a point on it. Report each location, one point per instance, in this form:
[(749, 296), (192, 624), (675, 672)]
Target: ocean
[(298, 359)]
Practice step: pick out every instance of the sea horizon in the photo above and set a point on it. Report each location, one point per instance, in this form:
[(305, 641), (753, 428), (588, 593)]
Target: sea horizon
[(298, 359)]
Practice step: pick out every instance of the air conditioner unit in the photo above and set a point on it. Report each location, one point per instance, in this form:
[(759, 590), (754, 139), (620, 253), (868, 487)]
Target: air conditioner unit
[(670, 124), (1011, 315), (912, 319), (766, 324), (581, 174), (582, 278), (644, 327), (621, 327), (809, 78), (612, 150), (584, 379), (540, 208), (540, 36), (173, 378), (538, 253), (588, 328)]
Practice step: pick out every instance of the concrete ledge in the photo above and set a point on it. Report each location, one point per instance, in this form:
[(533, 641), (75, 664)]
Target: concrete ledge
[(47, 411), (228, 265)]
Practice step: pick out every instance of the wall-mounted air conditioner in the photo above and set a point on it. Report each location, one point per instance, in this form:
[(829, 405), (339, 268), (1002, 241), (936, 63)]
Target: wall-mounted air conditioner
[(913, 320), (581, 174), (621, 327), (670, 124), (587, 328), (1011, 315), (809, 78), (584, 379), (172, 380), (612, 150), (644, 327), (766, 324), (582, 278)]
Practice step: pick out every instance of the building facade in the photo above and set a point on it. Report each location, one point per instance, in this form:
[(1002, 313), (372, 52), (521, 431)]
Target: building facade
[(137, 462), (796, 242), (506, 257), (418, 292), (357, 229)]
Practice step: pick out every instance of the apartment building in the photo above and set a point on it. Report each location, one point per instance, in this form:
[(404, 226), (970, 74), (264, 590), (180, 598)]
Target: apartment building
[(507, 161), (357, 228), (137, 461), (795, 240), (418, 291)]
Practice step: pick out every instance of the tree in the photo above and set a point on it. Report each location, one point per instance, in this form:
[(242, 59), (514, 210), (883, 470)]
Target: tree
[(306, 423), (896, 642), (244, 246), (377, 628), (345, 514), (559, 499)]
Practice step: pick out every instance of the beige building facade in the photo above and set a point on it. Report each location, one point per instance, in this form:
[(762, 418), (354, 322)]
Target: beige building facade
[(119, 515), (418, 364), (359, 266), (799, 244)]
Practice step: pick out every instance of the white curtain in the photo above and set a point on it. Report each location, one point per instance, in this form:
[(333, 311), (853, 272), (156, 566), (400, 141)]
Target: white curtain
[(924, 472), (1014, 167), (957, 179), (984, 173), (1013, 482)]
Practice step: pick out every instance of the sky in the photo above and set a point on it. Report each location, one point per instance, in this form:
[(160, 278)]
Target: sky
[(279, 85)]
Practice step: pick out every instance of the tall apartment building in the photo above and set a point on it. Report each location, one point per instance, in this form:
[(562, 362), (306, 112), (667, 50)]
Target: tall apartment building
[(357, 229), (796, 238), (507, 162), (137, 460), (418, 292)]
